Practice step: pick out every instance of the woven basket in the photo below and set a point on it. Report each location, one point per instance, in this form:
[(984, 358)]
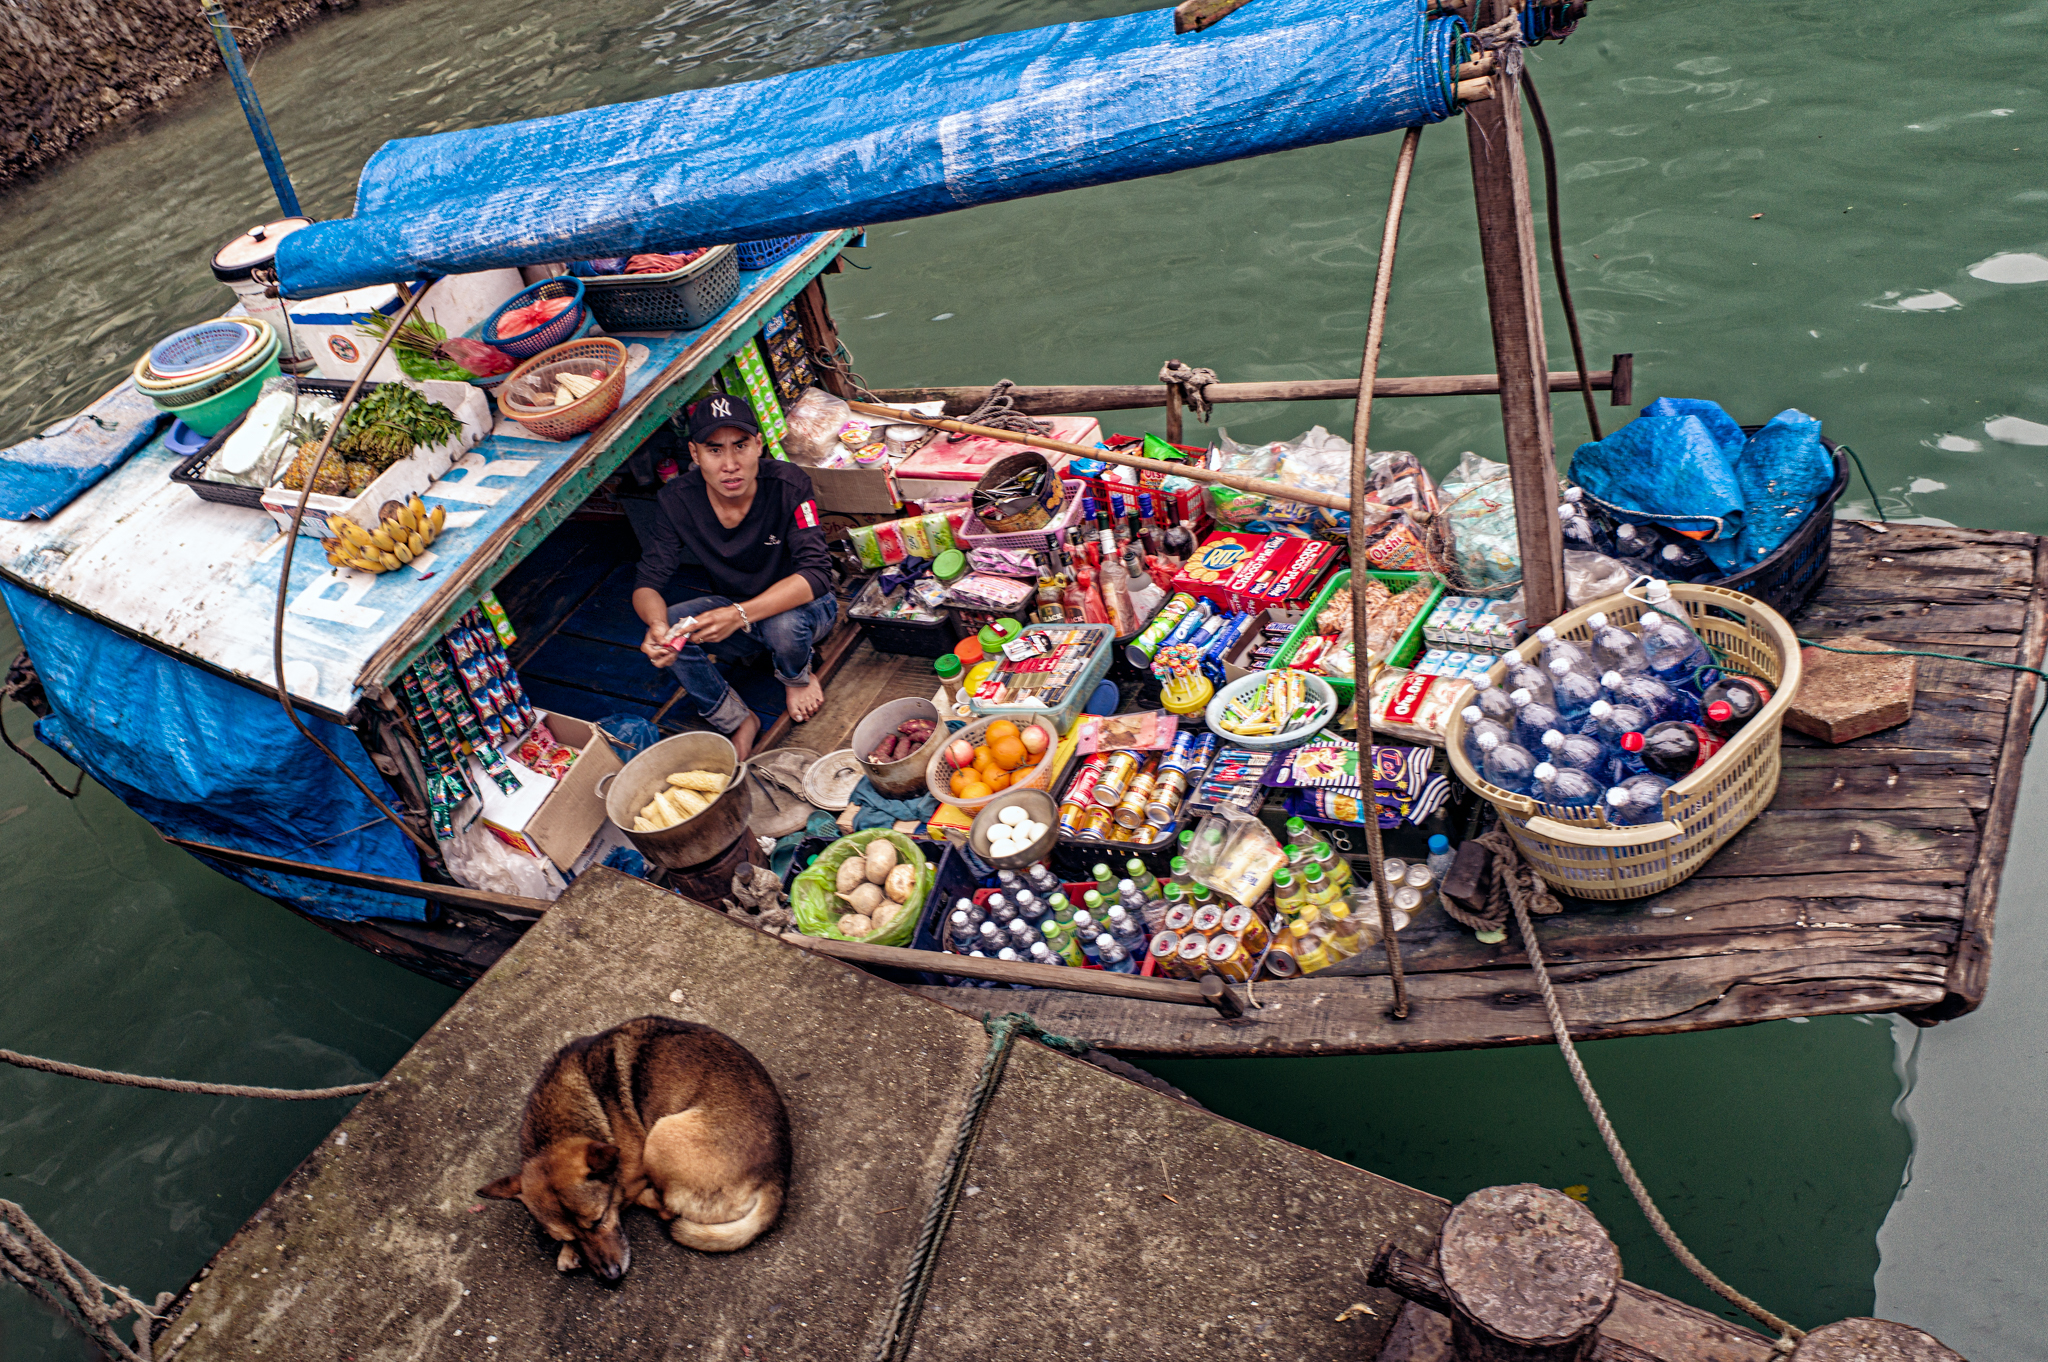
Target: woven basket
[(556, 331), (1589, 857), (938, 775), (587, 357)]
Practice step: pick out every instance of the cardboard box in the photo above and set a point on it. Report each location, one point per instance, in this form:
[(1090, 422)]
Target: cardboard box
[(855, 491), (546, 817), (1241, 572)]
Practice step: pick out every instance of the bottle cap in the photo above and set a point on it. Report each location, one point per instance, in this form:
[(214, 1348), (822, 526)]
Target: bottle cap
[(1558, 666), (1631, 742), (1552, 739), (1521, 697), (1126, 886), (1544, 771), (968, 650), (1617, 796), (1547, 634), (1596, 620), (1283, 878), (948, 666), (1482, 682), (1007, 628), (1600, 709), (991, 640), (1489, 741), (1610, 679), (1473, 714), (1438, 843), (1672, 553), (1720, 711), (950, 566)]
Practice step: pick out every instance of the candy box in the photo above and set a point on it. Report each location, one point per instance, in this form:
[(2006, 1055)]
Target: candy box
[(550, 817)]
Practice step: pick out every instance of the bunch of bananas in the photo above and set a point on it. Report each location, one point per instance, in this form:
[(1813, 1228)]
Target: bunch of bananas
[(400, 537)]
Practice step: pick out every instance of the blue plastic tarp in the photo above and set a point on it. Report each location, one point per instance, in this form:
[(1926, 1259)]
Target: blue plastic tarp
[(899, 136), (46, 472), (203, 758)]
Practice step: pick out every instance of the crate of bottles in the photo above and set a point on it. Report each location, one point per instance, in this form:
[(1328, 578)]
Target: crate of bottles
[(1661, 830), (1033, 916)]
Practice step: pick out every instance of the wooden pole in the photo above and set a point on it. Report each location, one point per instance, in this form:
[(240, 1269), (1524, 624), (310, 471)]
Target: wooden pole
[(1173, 413), (1068, 398), (1871, 1340), (1507, 246), (821, 338), (1526, 1274), (1361, 477), (1261, 486), (504, 905), (1108, 983)]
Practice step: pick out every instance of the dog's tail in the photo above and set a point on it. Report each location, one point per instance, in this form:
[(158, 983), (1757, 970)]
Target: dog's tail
[(725, 1236)]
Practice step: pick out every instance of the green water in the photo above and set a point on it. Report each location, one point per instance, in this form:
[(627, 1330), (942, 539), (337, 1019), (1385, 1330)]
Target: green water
[(1891, 151)]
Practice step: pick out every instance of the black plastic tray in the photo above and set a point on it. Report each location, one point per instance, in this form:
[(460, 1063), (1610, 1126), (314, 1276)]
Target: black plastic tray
[(190, 471)]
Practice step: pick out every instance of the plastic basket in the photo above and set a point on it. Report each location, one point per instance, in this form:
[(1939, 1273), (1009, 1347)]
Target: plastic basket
[(1151, 838), (211, 414), (1405, 650), (528, 344), (199, 347), (1593, 859), (1033, 541), (938, 776), (1082, 688), (257, 337), (681, 300), (1324, 707), (192, 471), (759, 255), (577, 357), (1788, 579)]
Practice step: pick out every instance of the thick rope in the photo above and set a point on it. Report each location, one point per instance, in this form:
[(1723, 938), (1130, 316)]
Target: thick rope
[(52, 1066), (1564, 287), (21, 677), (924, 1259), (47, 1272), (1785, 1329), (1193, 383), (999, 411)]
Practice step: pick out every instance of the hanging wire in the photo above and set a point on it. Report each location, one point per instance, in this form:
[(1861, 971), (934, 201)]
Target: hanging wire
[(1564, 288)]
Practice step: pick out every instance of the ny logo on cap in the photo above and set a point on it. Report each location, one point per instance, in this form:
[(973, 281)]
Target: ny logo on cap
[(721, 406)]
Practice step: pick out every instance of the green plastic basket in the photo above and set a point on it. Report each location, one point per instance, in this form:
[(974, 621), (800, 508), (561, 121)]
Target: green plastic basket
[(1402, 654), (212, 415)]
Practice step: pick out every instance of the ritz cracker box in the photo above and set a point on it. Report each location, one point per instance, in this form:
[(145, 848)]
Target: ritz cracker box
[(1245, 572)]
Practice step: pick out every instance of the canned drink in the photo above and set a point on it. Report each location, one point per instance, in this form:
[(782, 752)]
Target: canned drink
[(1093, 822), (1208, 920), (1280, 961), (1130, 810), (1203, 752), (1242, 923), (1193, 955), (1081, 789), (1167, 793), (1070, 817), (1115, 778), (1229, 958), (1120, 833), (1179, 918), (1177, 758), (1163, 950)]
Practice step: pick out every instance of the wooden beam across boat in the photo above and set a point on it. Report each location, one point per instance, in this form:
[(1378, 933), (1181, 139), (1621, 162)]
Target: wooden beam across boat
[(504, 905), (1068, 399)]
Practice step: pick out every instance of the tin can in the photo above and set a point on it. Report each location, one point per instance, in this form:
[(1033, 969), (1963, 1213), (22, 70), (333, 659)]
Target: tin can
[(1178, 918), (1115, 778), (1070, 818), (1168, 791), (1120, 833), (1176, 758), (1192, 955), (1208, 920), (1130, 810), (1229, 958), (1081, 789), (1094, 822), (1242, 923), (1163, 950), (1280, 961)]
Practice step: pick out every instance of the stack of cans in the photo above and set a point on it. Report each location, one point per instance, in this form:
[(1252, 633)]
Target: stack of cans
[(1134, 797)]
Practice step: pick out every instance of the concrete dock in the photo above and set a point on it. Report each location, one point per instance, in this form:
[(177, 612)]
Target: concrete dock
[(1100, 1219)]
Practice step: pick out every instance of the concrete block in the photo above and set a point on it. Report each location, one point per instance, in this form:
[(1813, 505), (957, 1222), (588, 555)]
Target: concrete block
[(1844, 696)]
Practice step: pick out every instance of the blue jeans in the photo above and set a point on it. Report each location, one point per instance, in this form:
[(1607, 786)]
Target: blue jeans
[(786, 637)]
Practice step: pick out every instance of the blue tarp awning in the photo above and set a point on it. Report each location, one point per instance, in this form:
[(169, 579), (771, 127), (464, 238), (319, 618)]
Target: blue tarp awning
[(900, 136)]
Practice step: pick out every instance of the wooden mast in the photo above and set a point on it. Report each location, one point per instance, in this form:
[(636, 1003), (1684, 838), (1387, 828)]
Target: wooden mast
[(1507, 246)]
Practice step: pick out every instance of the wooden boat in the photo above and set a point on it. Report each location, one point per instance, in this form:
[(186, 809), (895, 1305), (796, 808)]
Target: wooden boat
[(1870, 884)]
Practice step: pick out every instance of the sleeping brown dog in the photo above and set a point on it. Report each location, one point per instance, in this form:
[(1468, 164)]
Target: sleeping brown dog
[(665, 1114)]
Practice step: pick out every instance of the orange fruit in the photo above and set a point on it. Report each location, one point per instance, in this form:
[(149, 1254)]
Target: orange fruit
[(976, 790), (984, 757), (999, 780), (1009, 752), (961, 780), (1001, 728)]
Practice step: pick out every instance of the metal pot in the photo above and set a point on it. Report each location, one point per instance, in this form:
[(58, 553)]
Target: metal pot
[(694, 840), (895, 779), (1038, 805)]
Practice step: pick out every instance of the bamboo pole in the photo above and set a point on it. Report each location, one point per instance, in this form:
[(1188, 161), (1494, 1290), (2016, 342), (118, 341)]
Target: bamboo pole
[(1107, 983), (1361, 457), (1257, 486)]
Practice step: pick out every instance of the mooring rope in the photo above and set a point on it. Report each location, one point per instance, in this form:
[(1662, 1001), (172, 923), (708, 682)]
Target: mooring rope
[(1788, 1332), (47, 1272), (52, 1066), (999, 412), (1550, 213), (924, 1259)]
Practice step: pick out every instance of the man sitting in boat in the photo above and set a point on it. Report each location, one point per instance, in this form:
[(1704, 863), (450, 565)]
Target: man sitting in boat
[(749, 527)]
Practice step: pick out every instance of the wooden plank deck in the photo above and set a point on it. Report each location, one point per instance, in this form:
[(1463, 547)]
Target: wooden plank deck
[(377, 1247), (1870, 884)]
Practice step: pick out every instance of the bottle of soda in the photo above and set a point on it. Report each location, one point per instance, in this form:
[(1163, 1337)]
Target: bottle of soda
[(1676, 748), (1533, 719), (1476, 724), (1335, 868), (1567, 787), (1615, 649), (1609, 722), (1734, 701), (1507, 765), (1639, 799), (1573, 693)]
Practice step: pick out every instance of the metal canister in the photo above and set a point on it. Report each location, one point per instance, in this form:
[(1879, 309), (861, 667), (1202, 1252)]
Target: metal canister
[(1094, 822), (1179, 918), (1192, 955), (1081, 789), (1280, 961), (1130, 810), (1115, 778), (1242, 923), (1163, 808), (1163, 950), (1208, 920), (1070, 817), (1229, 958)]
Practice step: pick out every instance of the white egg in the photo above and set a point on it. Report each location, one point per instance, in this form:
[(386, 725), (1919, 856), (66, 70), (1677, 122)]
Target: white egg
[(1031, 832), (1013, 815)]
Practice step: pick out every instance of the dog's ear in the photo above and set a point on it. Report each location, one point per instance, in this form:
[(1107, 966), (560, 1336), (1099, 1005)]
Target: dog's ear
[(601, 1161), (504, 1189)]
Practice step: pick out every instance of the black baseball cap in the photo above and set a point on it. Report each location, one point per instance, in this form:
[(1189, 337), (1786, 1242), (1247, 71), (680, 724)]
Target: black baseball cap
[(721, 409)]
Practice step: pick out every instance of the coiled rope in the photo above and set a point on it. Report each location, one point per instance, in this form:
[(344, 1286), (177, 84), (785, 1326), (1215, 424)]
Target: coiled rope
[(51, 1275), (924, 1259), (999, 411), (52, 1066)]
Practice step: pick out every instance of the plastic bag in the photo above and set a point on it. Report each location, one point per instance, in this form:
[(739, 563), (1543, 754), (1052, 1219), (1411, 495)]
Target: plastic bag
[(815, 424), (1240, 867), (1315, 459), (818, 907), (1589, 576), (478, 859), (1479, 517)]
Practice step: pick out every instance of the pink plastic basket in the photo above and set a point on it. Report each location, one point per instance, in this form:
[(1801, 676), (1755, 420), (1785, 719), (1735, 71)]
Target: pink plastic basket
[(1033, 541)]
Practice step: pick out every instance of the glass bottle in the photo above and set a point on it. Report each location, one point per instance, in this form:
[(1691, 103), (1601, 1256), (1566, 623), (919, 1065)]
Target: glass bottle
[(1052, 607)]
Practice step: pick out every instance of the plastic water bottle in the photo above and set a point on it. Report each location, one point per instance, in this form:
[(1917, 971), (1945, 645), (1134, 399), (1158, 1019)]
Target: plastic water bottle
[(1477, 724), (1676, 654), (1113, 957), (1506, 764), (1532, 719), (1084, 927), (1041, 954), (1126, 930), (1493, 702), (1573, 693), (982, 983), (1575, 750), (1608, 722), (1531, 677), (1634, 548), (1683, 563), (1441, 856), (1575, 656), (1615, 648), (1649, 695), (1567, 787), (1007, 954), (1639, 799), (1580, 532)]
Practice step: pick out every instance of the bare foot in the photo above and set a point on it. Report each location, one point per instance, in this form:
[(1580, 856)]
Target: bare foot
[(743, 737), (804, 700)]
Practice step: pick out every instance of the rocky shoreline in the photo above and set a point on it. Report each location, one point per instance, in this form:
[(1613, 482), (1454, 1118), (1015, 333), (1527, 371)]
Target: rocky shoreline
[(75, 68)]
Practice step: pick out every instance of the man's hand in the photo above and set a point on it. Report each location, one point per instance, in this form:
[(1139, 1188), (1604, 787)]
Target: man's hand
[(715, 625), (655, 645)]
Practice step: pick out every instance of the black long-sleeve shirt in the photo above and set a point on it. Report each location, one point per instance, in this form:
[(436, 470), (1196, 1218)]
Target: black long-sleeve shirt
[(778, 537)]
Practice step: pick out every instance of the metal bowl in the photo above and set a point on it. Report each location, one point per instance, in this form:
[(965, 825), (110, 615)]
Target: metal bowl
[(694, 840), (1035, 803), (895, 779)]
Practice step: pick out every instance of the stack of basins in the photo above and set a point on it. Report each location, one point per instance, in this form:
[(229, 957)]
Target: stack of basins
[(207, 375)]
